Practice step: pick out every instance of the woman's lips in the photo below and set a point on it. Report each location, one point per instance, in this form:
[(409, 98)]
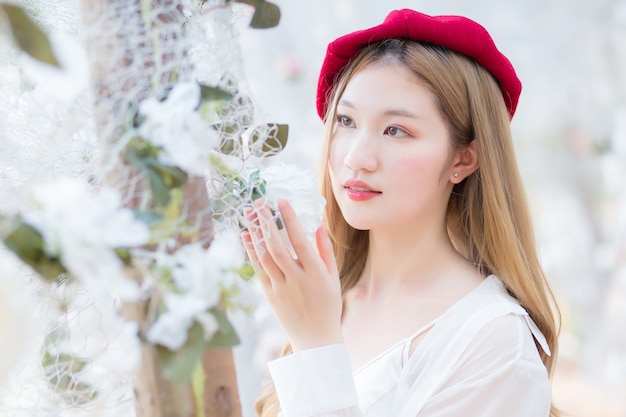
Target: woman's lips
[(360, 191)]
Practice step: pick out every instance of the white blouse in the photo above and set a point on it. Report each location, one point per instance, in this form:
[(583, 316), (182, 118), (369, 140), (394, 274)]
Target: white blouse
[(478, 359)]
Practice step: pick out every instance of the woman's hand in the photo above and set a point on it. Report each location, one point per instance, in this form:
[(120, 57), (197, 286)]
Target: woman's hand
[(302, 286)]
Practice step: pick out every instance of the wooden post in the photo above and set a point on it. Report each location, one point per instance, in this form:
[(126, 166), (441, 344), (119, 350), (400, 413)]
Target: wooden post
[(115, 86), (220, 385)]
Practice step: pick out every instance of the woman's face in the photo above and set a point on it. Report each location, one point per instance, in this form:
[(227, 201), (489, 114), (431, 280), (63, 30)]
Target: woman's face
[(389, 159)]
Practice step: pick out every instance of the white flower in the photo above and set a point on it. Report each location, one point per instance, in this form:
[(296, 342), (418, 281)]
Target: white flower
[(193, 272), (206, 272), (226, 251), (170, 328), (83, 229), (226, 254), (202, 276), (100, 269), (18, 327), (288, 182), (177, 128), (68, 80), (209, 324)]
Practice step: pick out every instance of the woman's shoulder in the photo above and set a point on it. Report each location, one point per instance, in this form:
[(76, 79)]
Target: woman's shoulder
[(486, 339), (492, 291), (488, 301), (490, 310), (487, 320), (507, 339)]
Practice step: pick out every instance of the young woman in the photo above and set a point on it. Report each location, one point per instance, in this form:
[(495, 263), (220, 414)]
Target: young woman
[(423, 295)]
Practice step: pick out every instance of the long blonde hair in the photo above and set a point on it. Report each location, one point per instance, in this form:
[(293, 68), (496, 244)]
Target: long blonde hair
[(488, 218)]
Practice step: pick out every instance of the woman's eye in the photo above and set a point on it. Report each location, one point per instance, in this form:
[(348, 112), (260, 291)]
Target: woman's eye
[(344, 121), (395, 132)]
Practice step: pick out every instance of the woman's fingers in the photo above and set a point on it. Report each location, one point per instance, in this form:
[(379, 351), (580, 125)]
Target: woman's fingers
[(325, 250), (272, 250), (297, 236), (304, 292), (246, 238), (257, 245), (275, 240)]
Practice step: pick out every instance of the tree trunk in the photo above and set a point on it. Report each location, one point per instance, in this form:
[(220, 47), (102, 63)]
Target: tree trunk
[(157, 396), (116, 30)]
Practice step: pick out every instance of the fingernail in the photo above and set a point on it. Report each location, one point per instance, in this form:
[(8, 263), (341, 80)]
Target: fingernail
[(249, 214)]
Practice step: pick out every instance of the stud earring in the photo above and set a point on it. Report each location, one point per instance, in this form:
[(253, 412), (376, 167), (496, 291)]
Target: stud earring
[(456, 175)]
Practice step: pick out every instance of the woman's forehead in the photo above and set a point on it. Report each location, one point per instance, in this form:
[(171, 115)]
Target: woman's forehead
[(387, 86)]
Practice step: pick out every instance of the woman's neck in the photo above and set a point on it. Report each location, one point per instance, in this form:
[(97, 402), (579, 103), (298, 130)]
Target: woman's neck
[(421, 258)]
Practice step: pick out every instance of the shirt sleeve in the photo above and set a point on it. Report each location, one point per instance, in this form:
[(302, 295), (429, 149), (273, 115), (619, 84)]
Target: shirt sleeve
[(316, 382)]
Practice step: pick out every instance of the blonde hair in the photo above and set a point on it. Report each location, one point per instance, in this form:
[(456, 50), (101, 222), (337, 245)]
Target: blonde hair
[(488, 218)]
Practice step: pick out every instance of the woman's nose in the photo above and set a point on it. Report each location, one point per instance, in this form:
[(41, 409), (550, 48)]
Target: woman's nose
[(361, 154)]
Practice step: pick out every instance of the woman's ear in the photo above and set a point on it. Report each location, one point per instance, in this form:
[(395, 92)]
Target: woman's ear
[(465, 163)]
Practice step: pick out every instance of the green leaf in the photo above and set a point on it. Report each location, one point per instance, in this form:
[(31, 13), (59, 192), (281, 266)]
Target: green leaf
[(26, 242), (246, 271), (29, 37), (173, 177), (178, 366), (266, 14), (63, 375), (162, 178), (123, 254), (229, 146), (258, 191), (273, 136), (243, 111), (149, 218), (256, 186), (159, 189), (209, 93), (226, 336), (255, 176), (140, 148), (238, 113), (219, 208), (65, 361)]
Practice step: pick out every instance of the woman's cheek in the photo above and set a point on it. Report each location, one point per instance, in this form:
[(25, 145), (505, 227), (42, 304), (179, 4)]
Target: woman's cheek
[(416, 170), (337, 152)]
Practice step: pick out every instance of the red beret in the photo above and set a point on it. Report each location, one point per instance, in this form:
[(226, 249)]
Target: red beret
[(457, 33)]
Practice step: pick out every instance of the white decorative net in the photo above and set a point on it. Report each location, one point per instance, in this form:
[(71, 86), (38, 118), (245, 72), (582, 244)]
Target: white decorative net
[(80, 122)]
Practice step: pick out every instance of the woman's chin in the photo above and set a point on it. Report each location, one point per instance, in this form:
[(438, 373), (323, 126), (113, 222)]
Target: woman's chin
[(359, 224)]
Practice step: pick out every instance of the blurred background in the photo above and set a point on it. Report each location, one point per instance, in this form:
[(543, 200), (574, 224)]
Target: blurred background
[(570, 136)]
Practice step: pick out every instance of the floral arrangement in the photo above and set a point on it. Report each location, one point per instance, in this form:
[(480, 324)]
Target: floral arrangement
[(144, 241)]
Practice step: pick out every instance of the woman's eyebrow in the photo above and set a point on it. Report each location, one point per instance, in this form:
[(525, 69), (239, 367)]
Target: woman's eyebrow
[(389, 112), (401, 113), (346, 103)]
